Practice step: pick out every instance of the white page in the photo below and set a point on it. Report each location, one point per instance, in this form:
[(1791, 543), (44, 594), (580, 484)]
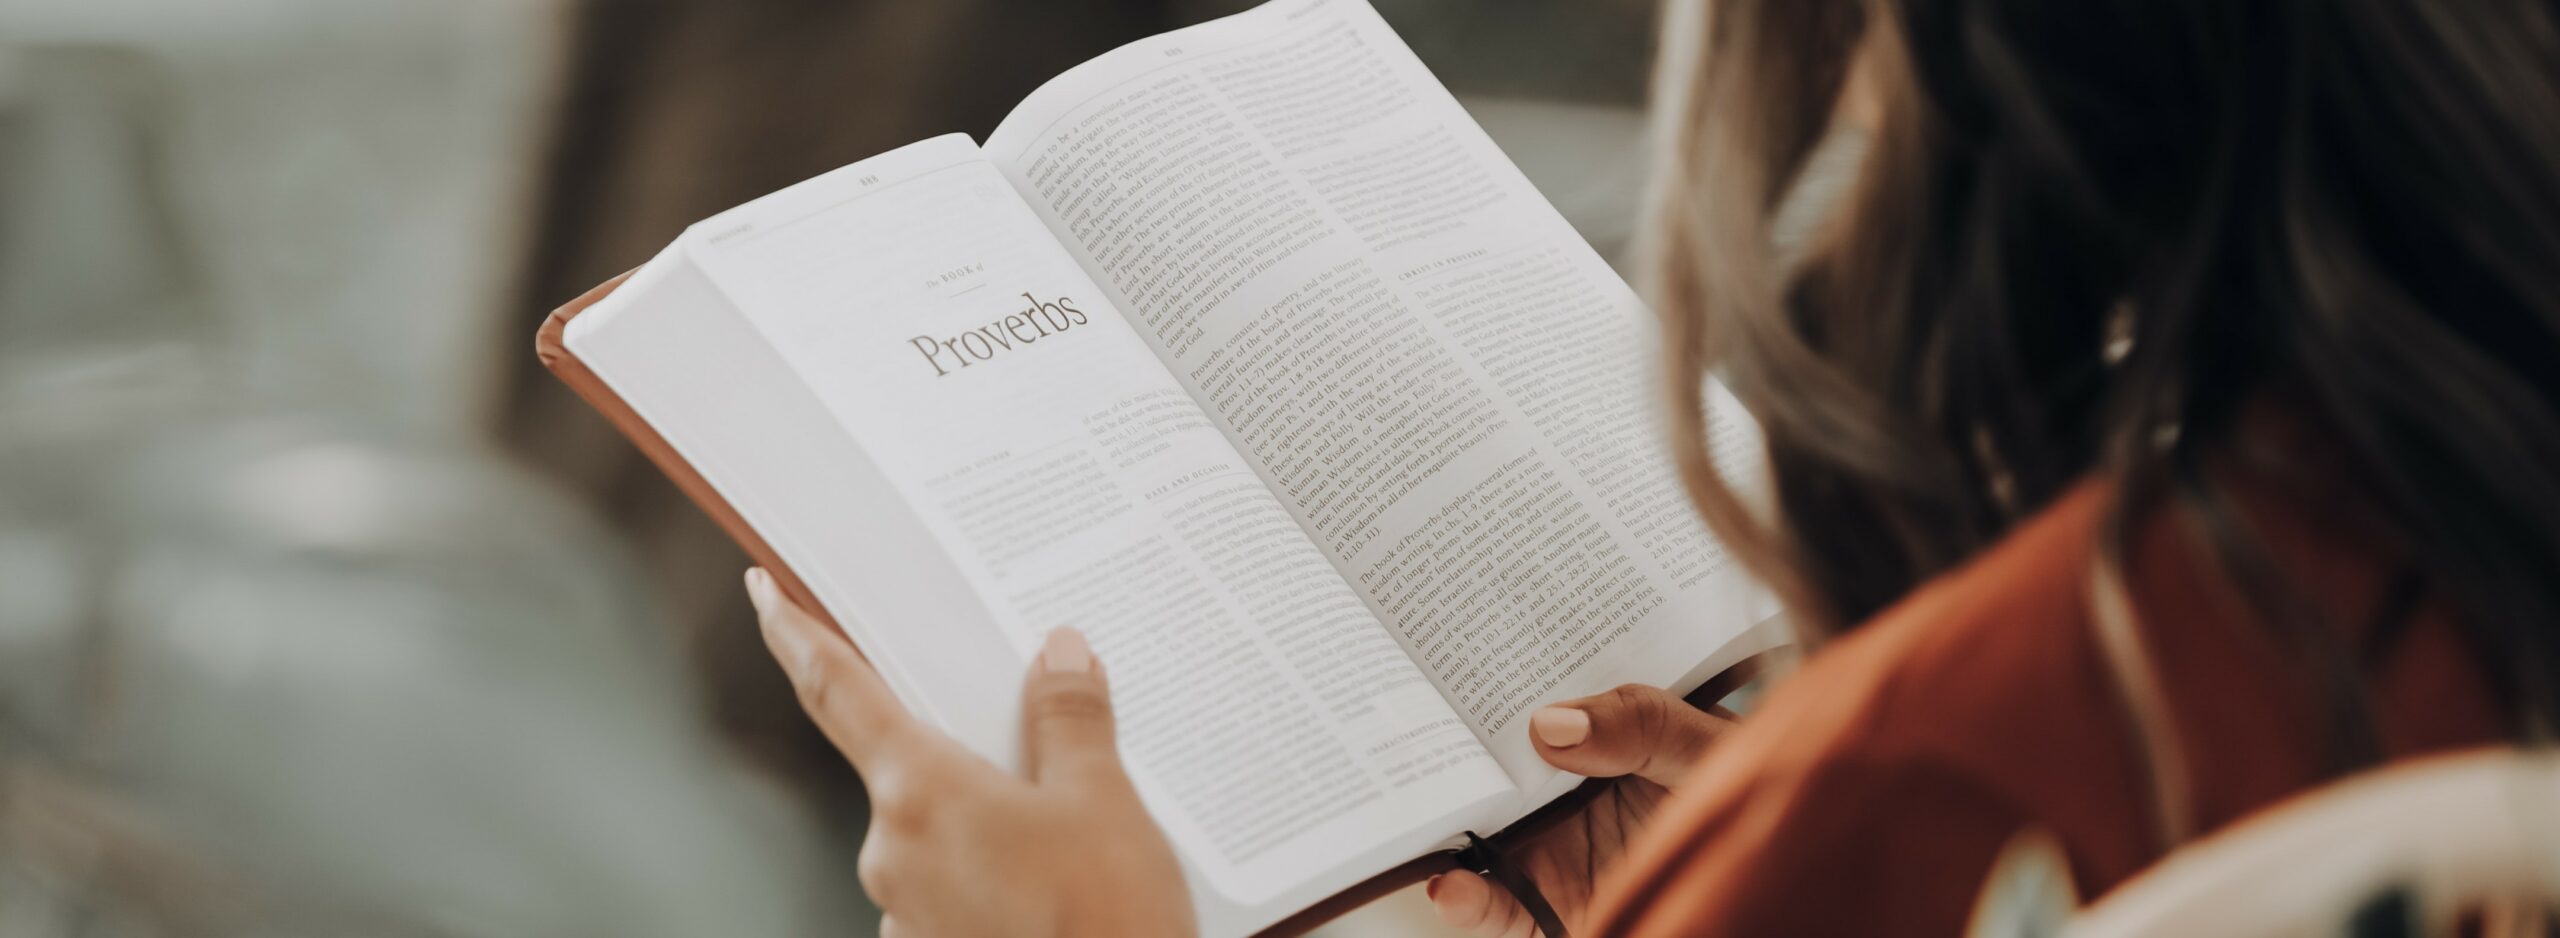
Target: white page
[(1287, 745), (1444, 382)]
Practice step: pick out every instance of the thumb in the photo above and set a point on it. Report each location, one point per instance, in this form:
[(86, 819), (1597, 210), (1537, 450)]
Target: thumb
[(1066, 713), (1633, 730)]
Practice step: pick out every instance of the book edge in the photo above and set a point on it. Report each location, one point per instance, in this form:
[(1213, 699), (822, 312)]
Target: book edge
[(550, 346)]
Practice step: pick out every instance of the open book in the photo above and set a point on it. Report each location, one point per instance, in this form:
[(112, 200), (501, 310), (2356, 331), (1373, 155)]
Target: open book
[(1244, 350)]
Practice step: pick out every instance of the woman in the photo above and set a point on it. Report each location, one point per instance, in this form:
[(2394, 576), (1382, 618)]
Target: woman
[(2166, 424)]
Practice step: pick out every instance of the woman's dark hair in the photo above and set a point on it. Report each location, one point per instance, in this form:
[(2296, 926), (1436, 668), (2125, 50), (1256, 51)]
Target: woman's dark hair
[(2090, 237)]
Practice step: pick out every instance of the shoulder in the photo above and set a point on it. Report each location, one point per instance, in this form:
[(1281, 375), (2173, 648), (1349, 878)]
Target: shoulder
[(1888, 772), (1969, 666), (1971, 649)]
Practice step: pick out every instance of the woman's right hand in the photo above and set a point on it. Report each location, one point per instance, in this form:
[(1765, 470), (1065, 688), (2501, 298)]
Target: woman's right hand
[(1643, 739)]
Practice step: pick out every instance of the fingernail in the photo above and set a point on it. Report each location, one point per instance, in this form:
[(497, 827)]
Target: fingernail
[(1561, 727), (789, 645), (760, 590), (1066, 651), (1431, 887)]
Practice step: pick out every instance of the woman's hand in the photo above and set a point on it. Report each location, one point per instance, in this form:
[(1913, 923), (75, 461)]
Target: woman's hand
[(1642, 738), (958, 847)]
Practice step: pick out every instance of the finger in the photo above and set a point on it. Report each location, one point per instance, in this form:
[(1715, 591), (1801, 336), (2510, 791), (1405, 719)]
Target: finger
[(1469, 903), (842, 693), (1066, 714), (874, 869), (1633, 730)]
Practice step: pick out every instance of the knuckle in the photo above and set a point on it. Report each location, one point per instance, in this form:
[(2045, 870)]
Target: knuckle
[(815, 688), (906, 818), (1071, 705), (1640, 708), (901, 803), (874, 867), (834, 708)]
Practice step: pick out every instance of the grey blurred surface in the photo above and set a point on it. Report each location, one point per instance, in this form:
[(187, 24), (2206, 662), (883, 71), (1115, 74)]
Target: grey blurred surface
[(336, 684), (285, 647), (293, 639)]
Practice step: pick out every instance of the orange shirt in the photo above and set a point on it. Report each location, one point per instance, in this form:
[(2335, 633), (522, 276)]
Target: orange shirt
[(1871, 791)]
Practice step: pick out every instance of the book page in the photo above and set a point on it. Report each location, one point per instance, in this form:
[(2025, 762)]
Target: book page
[(1445, 384), (1271, 722)]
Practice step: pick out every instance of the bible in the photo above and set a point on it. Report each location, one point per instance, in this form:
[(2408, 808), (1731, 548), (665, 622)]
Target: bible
[(1243, 349)]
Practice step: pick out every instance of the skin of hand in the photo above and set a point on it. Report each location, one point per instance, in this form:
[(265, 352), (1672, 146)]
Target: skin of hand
[(960, 848), (1644, 740)]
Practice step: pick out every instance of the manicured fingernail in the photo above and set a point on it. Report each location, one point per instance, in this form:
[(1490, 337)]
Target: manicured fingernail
[(1066, 651), (1561, 727), (789, 645), (760, 590)]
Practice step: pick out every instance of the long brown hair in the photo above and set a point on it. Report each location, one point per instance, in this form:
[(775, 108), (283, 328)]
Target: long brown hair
[(2086, 237)]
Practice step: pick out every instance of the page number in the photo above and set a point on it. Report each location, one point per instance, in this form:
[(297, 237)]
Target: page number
[(1171, 52), (869, 180)]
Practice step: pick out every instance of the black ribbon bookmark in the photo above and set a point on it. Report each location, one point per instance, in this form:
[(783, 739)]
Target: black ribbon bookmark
[(1489, 861)]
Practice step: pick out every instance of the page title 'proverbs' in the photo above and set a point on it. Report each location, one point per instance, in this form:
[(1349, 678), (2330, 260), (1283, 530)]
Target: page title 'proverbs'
[(1040, 321)]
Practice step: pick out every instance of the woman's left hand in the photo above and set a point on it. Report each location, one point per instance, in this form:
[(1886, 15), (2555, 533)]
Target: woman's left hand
[(959, 847)]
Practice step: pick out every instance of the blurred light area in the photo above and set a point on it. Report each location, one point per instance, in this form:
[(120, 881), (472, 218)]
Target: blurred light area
[(443, 715), (329, 494), (333, 187), (285, 648)]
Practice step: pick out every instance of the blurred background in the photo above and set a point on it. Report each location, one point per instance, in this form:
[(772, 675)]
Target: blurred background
[(322, 610)]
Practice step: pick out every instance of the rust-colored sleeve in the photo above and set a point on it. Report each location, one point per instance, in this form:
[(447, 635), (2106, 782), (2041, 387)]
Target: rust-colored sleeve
[(1871, 793), (1872, 790), (1837, 845)]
